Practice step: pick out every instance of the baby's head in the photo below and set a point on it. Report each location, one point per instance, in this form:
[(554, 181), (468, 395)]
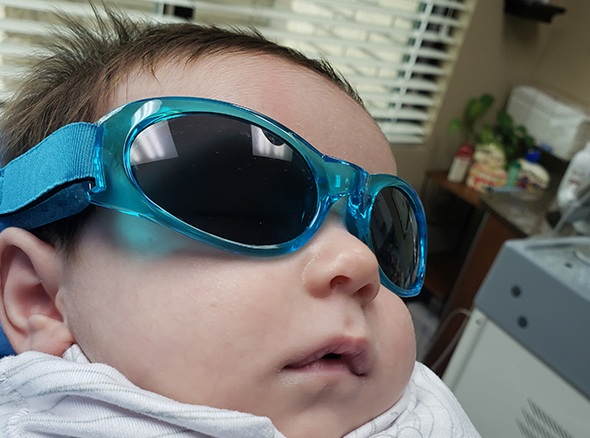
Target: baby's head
[(255, 304)]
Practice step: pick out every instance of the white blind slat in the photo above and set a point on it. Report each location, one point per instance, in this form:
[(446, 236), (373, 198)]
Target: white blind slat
[(407, 98), (405, 114)]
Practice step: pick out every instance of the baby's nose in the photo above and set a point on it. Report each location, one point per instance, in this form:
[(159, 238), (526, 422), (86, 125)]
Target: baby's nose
[(340, 263)]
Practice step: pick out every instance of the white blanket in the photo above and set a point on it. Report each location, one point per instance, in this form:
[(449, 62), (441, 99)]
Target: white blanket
[(47, 396)]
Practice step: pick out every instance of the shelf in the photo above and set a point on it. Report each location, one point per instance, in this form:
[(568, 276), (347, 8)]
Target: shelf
[(532, 10), (460, 190)]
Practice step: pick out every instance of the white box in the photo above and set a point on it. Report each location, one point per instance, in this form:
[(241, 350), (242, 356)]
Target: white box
[(559, 127)]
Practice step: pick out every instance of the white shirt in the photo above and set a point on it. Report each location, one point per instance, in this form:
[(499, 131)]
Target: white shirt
[(48, 396)]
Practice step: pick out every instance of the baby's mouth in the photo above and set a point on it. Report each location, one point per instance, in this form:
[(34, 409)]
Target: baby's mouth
[(352, 355)]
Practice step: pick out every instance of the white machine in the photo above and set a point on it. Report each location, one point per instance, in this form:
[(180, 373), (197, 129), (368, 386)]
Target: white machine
[(522, 366)]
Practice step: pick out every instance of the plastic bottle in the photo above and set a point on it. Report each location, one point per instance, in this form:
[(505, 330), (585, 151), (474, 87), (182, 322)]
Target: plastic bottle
[(577, 173), (513, 173), (460, 164)]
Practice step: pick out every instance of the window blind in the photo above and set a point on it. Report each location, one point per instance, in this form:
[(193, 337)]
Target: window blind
[(396, 53)]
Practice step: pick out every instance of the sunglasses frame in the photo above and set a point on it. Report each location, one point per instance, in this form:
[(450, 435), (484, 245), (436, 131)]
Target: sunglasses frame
[(114, 186)]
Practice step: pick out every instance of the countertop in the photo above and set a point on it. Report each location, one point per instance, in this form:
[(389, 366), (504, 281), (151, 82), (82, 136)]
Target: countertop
[(522, 210)]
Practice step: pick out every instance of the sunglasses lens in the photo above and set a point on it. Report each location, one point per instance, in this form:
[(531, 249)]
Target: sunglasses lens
[(226, 177), (395, 237)]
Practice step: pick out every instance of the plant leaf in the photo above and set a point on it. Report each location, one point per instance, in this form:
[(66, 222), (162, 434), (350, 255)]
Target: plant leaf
[(477, 107), (455, 125)]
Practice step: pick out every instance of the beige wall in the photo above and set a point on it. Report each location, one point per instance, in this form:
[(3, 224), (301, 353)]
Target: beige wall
[(499, 52)]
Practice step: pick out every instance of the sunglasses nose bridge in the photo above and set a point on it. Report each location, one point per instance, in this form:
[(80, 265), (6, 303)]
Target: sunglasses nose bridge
[(345, 180)]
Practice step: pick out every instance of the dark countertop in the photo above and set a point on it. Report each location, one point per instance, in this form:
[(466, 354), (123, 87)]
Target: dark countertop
[(522, 210), (526, 212)]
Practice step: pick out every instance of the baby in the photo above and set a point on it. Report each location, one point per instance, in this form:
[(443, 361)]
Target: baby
[(180, 258)]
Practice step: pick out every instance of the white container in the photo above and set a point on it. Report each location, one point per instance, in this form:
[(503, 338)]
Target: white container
[(460, 164), (562, 128), (576, 175), (577, 172)]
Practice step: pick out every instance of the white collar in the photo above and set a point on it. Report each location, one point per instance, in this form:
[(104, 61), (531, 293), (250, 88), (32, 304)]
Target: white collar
[(39, 394)]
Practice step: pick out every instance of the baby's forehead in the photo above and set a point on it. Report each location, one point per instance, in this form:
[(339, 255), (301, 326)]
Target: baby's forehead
[(231, 77), (302, 99)]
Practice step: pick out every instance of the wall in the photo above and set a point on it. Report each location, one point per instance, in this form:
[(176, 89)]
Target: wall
[(499, 52)]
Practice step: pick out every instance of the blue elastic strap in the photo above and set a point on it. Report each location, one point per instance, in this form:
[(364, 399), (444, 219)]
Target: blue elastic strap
[(5, 347), (60, 169)]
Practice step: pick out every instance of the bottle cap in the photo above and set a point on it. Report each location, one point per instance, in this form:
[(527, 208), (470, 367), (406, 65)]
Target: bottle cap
[(466, 150), (533, 155)]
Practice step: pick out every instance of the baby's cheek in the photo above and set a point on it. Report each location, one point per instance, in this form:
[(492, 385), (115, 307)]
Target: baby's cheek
[(396, 351), (397, 336)]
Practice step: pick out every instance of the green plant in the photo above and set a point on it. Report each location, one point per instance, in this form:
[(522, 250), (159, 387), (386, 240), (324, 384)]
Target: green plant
[(514, 139), (474, 110)]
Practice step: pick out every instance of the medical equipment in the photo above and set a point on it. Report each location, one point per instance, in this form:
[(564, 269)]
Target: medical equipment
[(522, 365)]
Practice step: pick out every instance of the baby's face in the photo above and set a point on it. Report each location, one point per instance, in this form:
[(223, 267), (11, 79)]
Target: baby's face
[(310, 339)]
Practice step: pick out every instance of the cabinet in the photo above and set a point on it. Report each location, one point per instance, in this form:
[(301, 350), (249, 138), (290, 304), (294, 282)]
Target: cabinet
[(455, 277), (461, 210)]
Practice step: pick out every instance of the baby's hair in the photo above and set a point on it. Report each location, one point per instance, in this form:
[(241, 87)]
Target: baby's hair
[(85, 64)]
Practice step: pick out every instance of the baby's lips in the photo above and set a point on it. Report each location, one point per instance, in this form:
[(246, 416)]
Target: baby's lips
[(352, 352)]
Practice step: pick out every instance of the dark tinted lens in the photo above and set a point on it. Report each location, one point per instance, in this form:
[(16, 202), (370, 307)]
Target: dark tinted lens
[(226, 177), (394, 235)]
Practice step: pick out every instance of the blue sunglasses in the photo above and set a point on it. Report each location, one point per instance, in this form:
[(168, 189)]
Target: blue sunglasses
[(220, 174)]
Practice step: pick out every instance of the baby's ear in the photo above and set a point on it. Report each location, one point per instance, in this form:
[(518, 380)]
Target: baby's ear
[(31, 307)]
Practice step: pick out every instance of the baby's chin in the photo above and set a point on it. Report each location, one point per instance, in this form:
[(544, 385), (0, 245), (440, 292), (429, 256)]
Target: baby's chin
[(336, 419), (325, 424)]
